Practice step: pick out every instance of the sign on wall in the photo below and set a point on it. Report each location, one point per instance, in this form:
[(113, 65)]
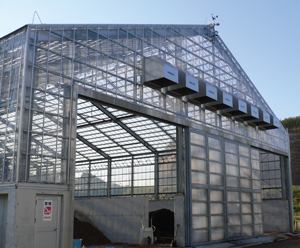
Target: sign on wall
[(47, 215)]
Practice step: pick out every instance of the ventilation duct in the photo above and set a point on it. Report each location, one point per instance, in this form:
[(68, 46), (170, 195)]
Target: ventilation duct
[(207, 93), (239, 107), (224, 101), (264, 118), (252, 113), (158, 73), (187, 85)]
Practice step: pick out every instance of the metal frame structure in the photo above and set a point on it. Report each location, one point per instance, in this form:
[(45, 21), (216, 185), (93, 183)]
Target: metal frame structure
[(74, 110)]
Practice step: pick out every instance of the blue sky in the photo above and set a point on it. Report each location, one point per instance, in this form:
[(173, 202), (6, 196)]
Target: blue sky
[(263, 35)]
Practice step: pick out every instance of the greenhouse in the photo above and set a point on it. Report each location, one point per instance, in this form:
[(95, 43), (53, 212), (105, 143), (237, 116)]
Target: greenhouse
[(118, 122)]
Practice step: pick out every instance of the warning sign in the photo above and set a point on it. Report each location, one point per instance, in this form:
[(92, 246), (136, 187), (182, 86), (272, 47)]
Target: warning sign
[(47, 215)]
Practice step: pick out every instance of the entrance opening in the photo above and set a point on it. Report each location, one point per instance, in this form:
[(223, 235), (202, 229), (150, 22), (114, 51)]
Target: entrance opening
[(122, 154), (163, 221)]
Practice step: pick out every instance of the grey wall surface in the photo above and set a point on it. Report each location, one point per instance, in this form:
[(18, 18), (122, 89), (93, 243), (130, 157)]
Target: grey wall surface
[(156, 205), (119, 219), (3, 215), (10, 192), (276, 216), (179, 211), (21, 210)]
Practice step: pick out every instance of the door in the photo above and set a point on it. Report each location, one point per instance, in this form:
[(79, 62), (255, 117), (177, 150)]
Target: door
[(47, 216), (3, 214)]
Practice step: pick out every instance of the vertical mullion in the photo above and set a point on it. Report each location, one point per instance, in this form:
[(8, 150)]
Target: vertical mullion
[(225, 191), (188, 199), (156, 177), (132, 175), (44, 110), (89, 180), (109, 178), (57, 116), (16, 146), (7, 107), (30, 114)]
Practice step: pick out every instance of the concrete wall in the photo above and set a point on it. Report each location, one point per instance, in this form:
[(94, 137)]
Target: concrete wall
[(119, 219), (9, 190), (179, 211), (21, 212), (276, 216), (156, 205)]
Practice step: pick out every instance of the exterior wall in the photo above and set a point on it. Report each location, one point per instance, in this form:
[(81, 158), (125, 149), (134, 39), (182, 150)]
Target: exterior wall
[(156, 205), (276, 216), (179, 211), (9, 190), (119, 219), (22, 210)]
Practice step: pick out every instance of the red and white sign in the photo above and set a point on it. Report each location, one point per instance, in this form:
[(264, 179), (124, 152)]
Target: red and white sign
[(47, 214)]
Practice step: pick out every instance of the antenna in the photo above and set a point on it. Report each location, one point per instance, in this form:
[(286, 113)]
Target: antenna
[(215, 18), (212, 26), (38, 17)]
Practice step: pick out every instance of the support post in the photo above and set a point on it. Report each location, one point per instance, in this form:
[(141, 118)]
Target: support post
[(188, 207), (179, 149)]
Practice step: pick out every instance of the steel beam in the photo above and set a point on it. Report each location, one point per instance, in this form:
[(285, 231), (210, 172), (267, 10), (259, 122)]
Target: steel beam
[(89, 144), (127, 129)]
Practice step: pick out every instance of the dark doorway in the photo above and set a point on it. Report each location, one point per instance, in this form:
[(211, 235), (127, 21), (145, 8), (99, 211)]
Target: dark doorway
[(163, 221)]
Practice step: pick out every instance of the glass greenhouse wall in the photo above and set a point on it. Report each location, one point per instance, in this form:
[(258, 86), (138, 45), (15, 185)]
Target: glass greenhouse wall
[(121, 152)]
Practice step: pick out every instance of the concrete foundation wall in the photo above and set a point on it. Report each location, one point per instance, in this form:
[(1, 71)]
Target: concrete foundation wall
[(179, 210), (276, 216), (119, 219), (156, 205)]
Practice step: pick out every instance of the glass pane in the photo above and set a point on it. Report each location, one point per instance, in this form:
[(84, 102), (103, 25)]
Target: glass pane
[(233, 208), (216, 195), (244, 151), (244, 161), (230, 147), (233, 196), (199, 208), (232, 170), (198, 164), (198, 152), (200, 236), (247, 219), (197, 139), (199, 194), (215, 155), (217, 221), (199, 178), (247, 230), (215, 167), (246, 197), (232, 182), (246, 183), (231, 159), (214, 143), (257, 208), (234, 232), (216, 208), (257, 218), (216, 180), (217, 234), (234, 220), (200, 221), (246, 208)]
